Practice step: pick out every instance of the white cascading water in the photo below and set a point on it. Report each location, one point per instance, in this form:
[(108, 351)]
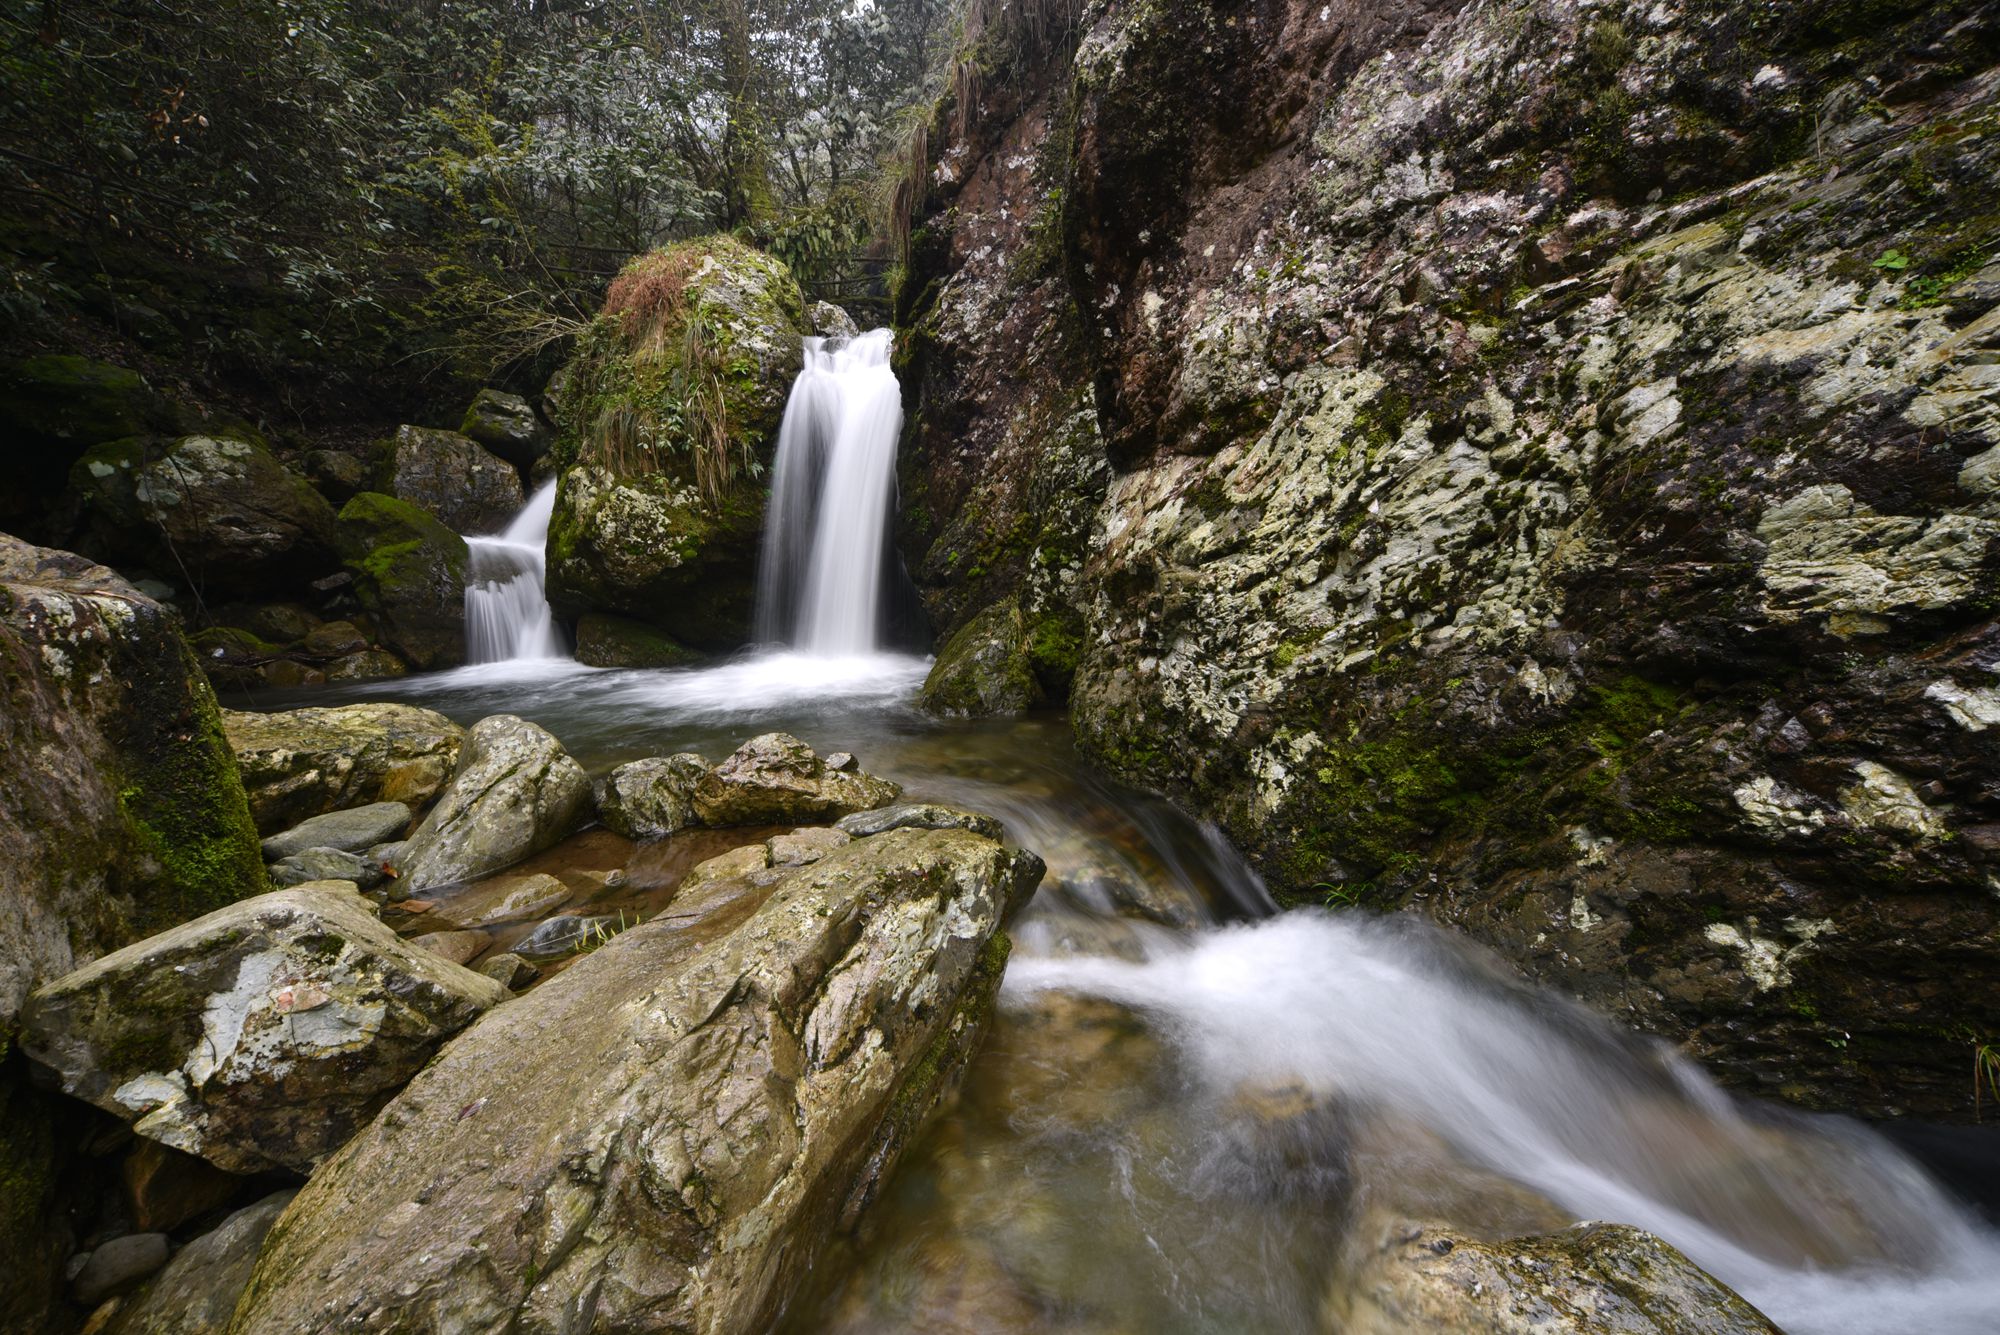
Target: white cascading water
[(507, 614), (827, 533), (1820, 1222)]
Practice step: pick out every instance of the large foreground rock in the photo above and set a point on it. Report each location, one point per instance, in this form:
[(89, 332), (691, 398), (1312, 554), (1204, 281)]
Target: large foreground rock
[(664, 1135), (516, 793), (776, 779), (453, 477), (1592, 1279), (259, 1036), (303, 763), (220, 509)]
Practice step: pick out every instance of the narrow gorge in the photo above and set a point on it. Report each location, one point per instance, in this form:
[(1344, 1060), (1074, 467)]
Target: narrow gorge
[(1011, 666)]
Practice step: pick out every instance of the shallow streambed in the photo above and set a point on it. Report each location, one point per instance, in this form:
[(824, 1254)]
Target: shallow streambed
[(1197, 1114)]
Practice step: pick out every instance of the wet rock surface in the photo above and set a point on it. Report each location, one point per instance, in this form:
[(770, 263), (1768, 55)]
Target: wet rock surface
[(516, 792), (506, 425), (917, 816), (258, 1036), (453, 477), (984, 668), (1522, 462), (737, 1081), (197, 1292), (777, 779), (302, 763), (1584, 1280), (409, 571), (350, 831), (650, 799)]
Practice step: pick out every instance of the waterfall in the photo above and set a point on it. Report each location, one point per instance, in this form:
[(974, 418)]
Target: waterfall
[(507, 612), (826, 539)]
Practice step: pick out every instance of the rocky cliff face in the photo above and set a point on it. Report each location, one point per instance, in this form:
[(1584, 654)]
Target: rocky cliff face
[(1530, 461)]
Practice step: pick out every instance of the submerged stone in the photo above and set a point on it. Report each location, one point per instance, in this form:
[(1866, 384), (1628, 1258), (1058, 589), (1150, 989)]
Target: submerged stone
[(918, 816)]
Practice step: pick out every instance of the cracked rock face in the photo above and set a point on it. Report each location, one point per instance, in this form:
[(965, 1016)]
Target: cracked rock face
[(260, 1036), (516, 793), (666, 1133), (1535, 463)]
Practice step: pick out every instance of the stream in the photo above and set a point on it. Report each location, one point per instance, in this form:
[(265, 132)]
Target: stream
[(1197, 1113)]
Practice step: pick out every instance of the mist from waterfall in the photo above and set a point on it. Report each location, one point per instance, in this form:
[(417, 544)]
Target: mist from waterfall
[(826, 535), (507, 614)]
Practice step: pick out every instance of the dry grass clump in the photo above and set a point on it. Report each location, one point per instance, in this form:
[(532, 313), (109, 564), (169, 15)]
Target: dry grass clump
[(649, 294)]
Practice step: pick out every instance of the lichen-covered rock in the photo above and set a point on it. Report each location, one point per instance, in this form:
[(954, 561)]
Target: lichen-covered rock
[(121, 812), (735, 1085), (219, 507), (197, 1292), (609, 641), (807, 845), (409, 572), (258, 1036), (1591, 1279), (668, 414), (984, 668), (831, 321), (301, 763), (351, 830), (516, 793), (651, 799), (776, 779), (451, 477), (506, 425), (340, 476), (651, 548), (1530, 462)]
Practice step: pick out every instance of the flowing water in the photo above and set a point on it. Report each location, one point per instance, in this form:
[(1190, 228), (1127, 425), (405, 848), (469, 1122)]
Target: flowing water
[(1197, 1113), (827, 534), (507, 614)]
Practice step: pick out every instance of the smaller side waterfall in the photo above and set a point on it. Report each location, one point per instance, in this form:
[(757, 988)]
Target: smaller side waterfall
[(827, 536), (507, 612)]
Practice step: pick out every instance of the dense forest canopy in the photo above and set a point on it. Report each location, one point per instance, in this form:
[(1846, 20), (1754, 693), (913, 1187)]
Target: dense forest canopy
[(433, 182)]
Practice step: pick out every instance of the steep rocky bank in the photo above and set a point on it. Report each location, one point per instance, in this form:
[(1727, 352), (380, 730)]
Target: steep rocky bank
[(1528, 462)]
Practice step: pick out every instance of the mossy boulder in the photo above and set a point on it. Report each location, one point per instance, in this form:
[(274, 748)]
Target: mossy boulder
[(654, 550), (667, 418), (108, 728), (507, 426), (454, 477), (219, 508), (609, 641), (301, 763), (55, 408), (985, 668), (409, 572)]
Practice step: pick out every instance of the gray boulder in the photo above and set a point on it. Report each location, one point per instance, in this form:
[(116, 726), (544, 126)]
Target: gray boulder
[(516, 793), (506, 425), (564, 934), (118, 1266), (732, 1091), (650, 799), (259, 1036), (456, 479), (326, 864), (305, 762), (776, 779), (351, 831), (197, 1293), (917, 816), (1589, 1279)]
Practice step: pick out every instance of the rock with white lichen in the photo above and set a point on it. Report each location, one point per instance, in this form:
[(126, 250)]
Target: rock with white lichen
[(259, 1036)]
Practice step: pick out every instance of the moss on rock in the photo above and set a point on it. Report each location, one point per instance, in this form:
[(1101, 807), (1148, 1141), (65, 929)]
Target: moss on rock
[(409, 572)]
